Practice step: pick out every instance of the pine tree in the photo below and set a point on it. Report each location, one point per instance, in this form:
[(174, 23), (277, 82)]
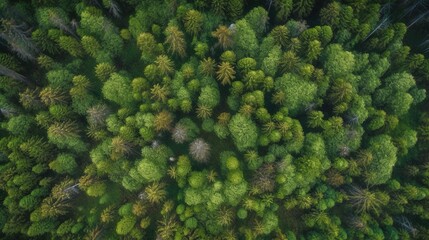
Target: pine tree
[(193, 21), (163, 121), (341, 91), (363, 200), (159, 92), (175, 41), (204, 111), (225, 73), (164, 65), (167, 227), (289, 62), (207, 66), (224, 36), (155, 192), (97, 115), (29, 99), (224, 118), (315, 119)]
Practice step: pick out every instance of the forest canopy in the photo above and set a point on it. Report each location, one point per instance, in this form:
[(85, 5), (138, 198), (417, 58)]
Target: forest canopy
[(214, 119)]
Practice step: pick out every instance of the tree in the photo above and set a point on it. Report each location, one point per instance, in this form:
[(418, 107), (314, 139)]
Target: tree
[(104, 70), (243, 131), (303, 7), (341, 91), (207, 67), (159, 92), (97, 115), (364, 200), (19, 125), (338, 62), (164, 65), (120, 147), (71, 45), (225, 73), (330, 15), (148, 45), (193, 21), (153, 166), (16, 36), (298, 93), (245, 41), (41, 227), (383, 159), (283, 9), (91, 45), (280, 35), (125, 225), (209, 97), (315, 119), (64, 163), (163, 121), (263, 179), (29, 202), (179, 134), (14, 75), (155, 192), (117, 89), (393, 95), (200, 150), (224, 36), (258, 20), (174, 38), (314, 50), (167, 227), (288, 62), (66, 135), (246, 64)]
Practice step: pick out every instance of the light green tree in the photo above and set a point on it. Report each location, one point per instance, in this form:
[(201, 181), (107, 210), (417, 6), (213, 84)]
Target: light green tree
[(243, 131)]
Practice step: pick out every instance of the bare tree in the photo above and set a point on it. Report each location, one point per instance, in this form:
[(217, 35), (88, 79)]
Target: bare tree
[(14, 75), (114, 9), (179, 134), (385, 21), (61, 23), (405, 223), (200, 150), (17, 38)]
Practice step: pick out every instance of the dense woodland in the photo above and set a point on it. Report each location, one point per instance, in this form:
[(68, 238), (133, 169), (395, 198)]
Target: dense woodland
[(214, 119)]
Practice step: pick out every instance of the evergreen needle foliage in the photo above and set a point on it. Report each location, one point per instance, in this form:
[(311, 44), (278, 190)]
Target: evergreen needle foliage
[(220, 119)]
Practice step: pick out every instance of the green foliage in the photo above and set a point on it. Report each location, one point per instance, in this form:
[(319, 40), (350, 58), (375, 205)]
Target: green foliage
[(213, 119), (175, 41), (154, 164), (338, 62), (396, 87), (40, 228), (19, 125), (117, 89), (193, 21), (234, 193), (64, 163), (300, 93), (28, 202), (384, 158), (209, 97), (71, 45), (125, 225), (257, 18), (245, 41), (243, 131)]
